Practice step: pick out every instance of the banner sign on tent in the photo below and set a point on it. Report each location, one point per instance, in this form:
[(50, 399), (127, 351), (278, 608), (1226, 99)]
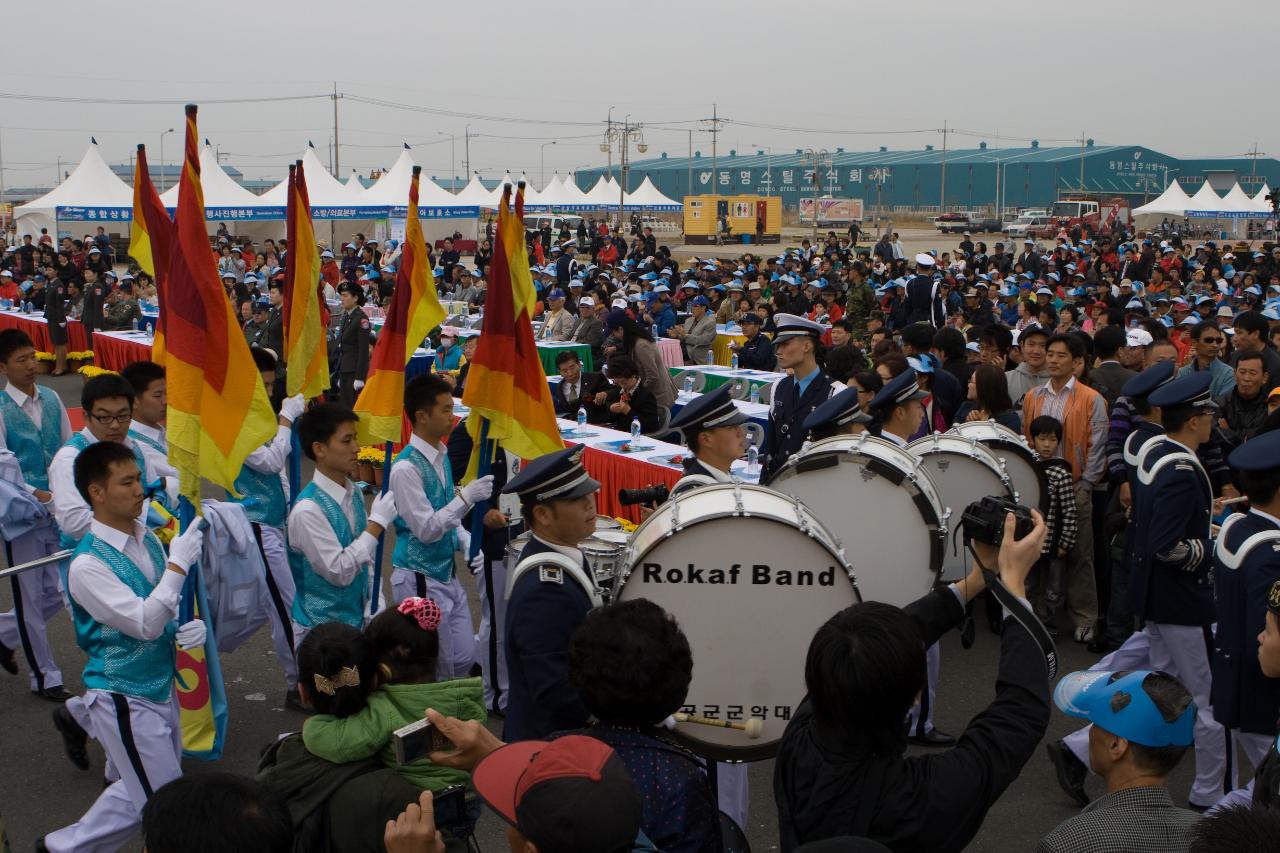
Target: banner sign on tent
[(1225, 214), (242, 214), (94, 214), (402, 212), (347, 212)]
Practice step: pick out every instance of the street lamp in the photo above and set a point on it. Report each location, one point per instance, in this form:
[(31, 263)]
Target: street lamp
[(819, 159), (452, 159), (542, 171), (623, 136), (768, 169), (162, 136)]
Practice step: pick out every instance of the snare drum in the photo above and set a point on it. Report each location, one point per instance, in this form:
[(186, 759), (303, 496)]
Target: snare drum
[(750, 574), (963, 470), (605, 559), (886, 509), (1020, 461)]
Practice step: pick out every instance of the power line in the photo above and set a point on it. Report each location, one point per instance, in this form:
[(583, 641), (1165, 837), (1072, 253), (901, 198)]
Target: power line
[(67, 99)]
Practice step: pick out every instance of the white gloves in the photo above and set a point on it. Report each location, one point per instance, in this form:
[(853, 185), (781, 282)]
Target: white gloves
[(477, 563), (192, 634), (358, 384), (184, 551), (478, 489), (383, 511), (292, 407)]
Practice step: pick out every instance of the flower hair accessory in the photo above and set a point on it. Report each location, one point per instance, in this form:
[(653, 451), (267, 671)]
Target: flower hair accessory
[(348, 676), (424, 611)]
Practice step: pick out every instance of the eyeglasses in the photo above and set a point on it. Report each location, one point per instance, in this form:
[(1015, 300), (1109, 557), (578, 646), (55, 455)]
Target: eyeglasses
[(1212, 340), (111, 419)]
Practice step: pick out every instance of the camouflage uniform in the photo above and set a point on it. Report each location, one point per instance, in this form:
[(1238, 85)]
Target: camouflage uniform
[(860, 303), (121, 314)]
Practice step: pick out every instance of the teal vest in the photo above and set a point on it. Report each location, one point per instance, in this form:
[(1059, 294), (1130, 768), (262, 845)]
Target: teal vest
[(262, 496), (79, 442), (317, 601), (33, 447), (433, 559), (150, 442), (117, 662)]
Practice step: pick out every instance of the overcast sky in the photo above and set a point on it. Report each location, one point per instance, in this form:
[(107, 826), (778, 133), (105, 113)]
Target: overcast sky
[(1180, 77)]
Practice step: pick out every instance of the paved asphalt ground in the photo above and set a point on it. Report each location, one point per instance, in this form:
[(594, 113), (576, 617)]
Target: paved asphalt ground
[(41, 791)]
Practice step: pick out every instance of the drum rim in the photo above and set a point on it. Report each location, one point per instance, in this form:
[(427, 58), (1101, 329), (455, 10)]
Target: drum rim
[(1018, 444), (983, 453)]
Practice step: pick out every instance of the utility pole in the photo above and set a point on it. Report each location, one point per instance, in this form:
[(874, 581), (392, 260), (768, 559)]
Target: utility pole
[(608, 133), (4, 217), (715, 131), (688, 189), (337, 162), (819, 159), (942, 195), (1082, 141), (623, 135)]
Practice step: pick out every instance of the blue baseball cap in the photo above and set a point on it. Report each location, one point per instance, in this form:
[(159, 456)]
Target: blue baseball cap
[(556, 294), (1119, 703), (700, 300)]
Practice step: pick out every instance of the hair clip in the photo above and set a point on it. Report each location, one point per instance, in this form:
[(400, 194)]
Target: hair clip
[(348, 676)]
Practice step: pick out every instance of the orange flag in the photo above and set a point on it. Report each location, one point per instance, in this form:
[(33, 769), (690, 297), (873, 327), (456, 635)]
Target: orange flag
[(414, 311), (218, 409), (506, 383), (305, 350), (150, 239)]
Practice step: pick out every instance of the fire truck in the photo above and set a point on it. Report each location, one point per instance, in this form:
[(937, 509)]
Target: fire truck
[(1095, 215)]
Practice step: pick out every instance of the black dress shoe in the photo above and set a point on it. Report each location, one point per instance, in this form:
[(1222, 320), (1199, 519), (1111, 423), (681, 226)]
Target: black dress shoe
[(40, 848), (53, 694), (1101, 646), (1071, 771), (293, 701), (933, 737), (497, 712), (74, 739), (8, 660)]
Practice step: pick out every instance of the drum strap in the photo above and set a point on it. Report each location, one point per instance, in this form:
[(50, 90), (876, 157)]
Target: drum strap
[(553, 558), (1023, 615)]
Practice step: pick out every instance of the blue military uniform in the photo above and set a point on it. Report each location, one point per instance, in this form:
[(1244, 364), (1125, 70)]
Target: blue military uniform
[(705, 412), (789, 405), (1266, 783), (544, 607), (756, 353)]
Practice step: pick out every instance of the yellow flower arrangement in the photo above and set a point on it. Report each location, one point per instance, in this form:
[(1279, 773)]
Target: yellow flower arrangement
[(81, 355), (89, 371), (44, 356), (372, 455), (627, 525)]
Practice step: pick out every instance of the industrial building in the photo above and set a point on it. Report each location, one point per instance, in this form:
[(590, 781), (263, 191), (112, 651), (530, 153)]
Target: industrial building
[(930, 179)]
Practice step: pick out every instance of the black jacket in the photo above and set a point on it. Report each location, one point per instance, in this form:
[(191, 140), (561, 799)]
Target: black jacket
[(592, 384), (829, 784), (1108, 378), (1243, 417), (924, 305), (757, 354), (643, 406), (353, 343)]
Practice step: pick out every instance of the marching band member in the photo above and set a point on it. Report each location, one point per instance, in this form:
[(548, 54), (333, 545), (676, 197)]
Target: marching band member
[(427, 514), (150, 401), (796, 396), (332, 541), (1172, 585), (33, 425), (840, 415), (263, 484), (124, 600), (550, 591), (1266, 783), (1246, 563), (712, 427)]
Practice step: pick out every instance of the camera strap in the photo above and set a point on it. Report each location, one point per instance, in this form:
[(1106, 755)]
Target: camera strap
[(1023, 615)]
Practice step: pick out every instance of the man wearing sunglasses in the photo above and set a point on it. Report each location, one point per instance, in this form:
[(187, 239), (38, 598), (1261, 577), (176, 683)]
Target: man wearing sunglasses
[(1207, 340)]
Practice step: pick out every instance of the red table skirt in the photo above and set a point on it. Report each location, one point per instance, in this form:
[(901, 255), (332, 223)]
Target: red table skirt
[(114, 353), (38, 330)]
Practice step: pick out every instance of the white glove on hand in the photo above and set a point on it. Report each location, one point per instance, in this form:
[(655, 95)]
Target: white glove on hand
[(358, 384), (184, 551), (292, 407), (478, 489), (192, 634), (477, 563), (383, 511)]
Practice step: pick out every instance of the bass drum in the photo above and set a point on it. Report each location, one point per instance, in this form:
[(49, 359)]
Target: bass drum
[(881, 500), (1020, 461), (963, 470), (750, 575)]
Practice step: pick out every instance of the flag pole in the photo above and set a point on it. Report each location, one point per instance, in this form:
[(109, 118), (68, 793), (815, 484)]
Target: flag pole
[(377, 558), (483, 465), (295, 463)]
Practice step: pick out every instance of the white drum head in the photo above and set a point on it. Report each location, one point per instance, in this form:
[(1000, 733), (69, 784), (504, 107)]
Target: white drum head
[(963, 470), (750, 576), (882, 504), (1020, 461)]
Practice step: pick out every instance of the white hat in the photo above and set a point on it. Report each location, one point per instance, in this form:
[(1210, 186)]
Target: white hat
[(586, 302), (618, 303), (924, 259), (1138, 338)]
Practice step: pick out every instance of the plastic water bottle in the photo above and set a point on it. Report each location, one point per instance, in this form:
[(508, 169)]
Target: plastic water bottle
[(654, 331), (134, 323), (688, 386), (582, 418), (711, 358), (635, 430), (755, 393), (753, 461), (733, 361)]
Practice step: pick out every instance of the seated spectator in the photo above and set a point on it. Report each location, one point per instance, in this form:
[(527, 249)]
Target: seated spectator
[(841, 768), (216, 811), (629, 399), (1143, 722), (579, 388), (631, 665)]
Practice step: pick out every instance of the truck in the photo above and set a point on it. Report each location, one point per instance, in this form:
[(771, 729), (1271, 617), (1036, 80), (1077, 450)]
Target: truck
[(1095, 215)]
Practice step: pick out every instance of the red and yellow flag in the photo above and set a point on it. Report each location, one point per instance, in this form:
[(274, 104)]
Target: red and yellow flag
[(506, 383), (305, 350), (414, 311), (218, 409), (150, 239)]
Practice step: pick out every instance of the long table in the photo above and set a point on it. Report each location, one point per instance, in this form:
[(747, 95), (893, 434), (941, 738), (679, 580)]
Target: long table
[(758, 412), (37, 328), (716, 375), (548, 351)]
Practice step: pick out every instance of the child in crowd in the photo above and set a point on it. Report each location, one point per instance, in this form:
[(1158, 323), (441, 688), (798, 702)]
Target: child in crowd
[(405, 644), (1045, 583)]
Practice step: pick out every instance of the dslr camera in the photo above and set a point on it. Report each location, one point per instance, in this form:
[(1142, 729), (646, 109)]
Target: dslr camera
[(983, 520), (648, 495)]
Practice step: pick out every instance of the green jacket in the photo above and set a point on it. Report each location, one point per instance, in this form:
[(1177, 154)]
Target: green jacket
[(390, 707)]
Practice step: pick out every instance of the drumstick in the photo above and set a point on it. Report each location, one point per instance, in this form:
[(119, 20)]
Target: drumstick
[(754, 726), (1230, 501)]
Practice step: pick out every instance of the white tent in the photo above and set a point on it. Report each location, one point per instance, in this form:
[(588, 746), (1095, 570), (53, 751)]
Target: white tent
[(223, 197), (392, 189), (1238, 200), (474, 192), (1172, 202), (648, 197), (605, 193), (495, 194), (554, 194), (354, 189), (1260, 200), (1207, 204), (574, 196), (91, 193), (327, 194)]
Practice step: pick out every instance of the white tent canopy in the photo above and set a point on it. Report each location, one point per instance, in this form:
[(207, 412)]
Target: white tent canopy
[(605, 193), (392, 189), (648, 197), (92, 192), (221, 192), (574, 196), (354, 189), (473, 193), (555, 194), (324, 190), (1172, 202), (1207, 204), (1261, 198)]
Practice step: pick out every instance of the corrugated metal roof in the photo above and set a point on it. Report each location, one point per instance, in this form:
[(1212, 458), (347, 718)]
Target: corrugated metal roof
[(890, 157)]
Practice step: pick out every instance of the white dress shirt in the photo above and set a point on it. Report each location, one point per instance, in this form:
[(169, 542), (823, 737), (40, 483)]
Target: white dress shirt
[(310, 533), (106, 598), (157, 460), (426, 523), (33, 409), (896, 439), (571, 553), (273, 457), (69, 508)]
